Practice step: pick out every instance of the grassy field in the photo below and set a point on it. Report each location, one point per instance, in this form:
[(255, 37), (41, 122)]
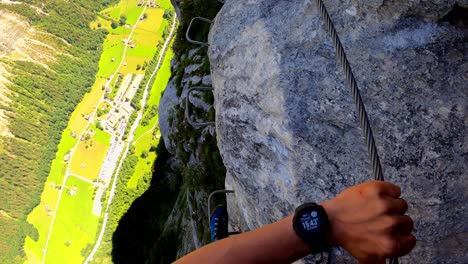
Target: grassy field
[(141, 51), (162, 78), (90, 154), (166, 4), (144, 164), (113, 44), (112, 55), (145, 40), (127, 7), (101, 22), (75, 226), (151, 26), (40, 216), (87, 106), (131, 65)]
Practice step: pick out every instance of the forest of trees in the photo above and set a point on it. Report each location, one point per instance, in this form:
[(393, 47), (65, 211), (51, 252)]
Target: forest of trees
[(42, 103)]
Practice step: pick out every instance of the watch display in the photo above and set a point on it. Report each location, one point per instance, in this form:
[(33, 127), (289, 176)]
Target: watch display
[(310, 223)]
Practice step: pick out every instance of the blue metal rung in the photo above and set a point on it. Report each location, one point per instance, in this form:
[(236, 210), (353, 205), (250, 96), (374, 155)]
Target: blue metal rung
[(218, 219)]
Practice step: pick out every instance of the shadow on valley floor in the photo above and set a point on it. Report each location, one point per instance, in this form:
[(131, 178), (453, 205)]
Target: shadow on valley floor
[(140, 236)]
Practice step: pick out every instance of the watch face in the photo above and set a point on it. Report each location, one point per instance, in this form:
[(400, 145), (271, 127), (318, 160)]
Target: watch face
[(310, 221)]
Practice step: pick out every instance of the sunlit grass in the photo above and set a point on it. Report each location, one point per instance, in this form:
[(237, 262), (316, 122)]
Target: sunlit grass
[(144, 164), (89, 155), (86, 106), (166, 4), (41, 216), (75, 224), (130, 66), (142, 51), (126, 7), (101, 22), (112, 55)]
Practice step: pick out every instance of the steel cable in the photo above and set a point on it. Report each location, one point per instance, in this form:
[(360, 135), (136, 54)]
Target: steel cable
[(350, 79), (361, 109)]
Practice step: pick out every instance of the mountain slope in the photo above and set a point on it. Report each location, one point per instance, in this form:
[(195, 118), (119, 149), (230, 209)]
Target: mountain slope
[(48, 60)]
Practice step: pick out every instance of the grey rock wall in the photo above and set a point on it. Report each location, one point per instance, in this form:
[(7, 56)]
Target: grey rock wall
[(169, 101), (189, 212), (166, 112), (286, 123)]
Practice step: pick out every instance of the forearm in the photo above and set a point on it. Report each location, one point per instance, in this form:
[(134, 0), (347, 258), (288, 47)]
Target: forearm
[(274, 243), (368, 220)]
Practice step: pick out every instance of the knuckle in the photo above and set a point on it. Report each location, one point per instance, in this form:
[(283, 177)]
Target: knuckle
[(385, 227), (390, 223), (383, 206), (372, 188), (389, 247), (380, 186)]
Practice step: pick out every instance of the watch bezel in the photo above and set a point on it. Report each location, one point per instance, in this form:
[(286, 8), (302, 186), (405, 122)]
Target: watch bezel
[(316, 239)]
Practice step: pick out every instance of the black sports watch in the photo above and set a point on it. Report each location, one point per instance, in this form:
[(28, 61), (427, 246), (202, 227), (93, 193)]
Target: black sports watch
[(311, 224)]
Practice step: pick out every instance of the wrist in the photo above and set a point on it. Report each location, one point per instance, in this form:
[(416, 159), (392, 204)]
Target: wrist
[(330, 208)]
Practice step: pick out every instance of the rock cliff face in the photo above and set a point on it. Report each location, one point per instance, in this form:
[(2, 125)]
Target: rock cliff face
[(286, 124), (174, 97), (187, 147), (195, 166)]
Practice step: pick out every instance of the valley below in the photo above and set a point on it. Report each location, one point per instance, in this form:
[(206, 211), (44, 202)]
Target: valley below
[(116, 119)]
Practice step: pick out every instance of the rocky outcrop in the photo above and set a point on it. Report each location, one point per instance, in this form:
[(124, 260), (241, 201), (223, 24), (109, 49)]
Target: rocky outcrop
[(194, 155), (172, 100), (286, 123), (166, 112)]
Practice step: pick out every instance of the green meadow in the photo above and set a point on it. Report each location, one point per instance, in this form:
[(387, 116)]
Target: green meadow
[(75, 224)]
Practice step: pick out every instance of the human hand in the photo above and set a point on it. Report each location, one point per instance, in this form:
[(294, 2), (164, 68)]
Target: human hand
[(368, 221)]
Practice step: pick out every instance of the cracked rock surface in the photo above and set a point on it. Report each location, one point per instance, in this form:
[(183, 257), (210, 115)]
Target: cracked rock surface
[(286, 123)]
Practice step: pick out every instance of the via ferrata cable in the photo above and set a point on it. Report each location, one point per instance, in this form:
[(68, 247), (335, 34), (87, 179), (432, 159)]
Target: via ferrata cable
[(362, 113)]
